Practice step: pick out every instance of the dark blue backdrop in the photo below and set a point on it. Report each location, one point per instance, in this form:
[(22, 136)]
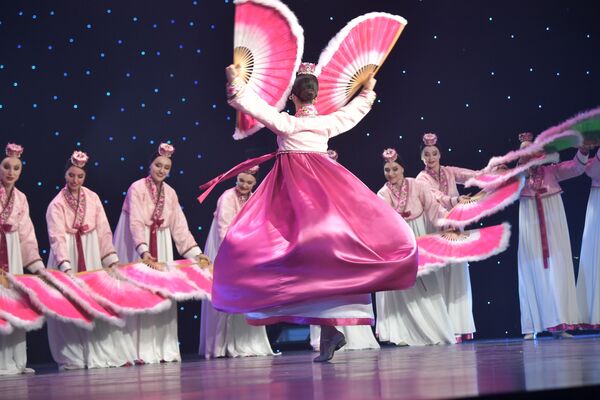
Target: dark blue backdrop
[(115, 78)]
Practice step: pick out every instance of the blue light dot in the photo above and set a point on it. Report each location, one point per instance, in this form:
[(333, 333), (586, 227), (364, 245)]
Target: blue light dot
[(183, 100), (44, 251), (180, 172), (52, 13), (158, 53), (93, 117), (119, 41), (105, 201), (1, 106), (34, 105), (587, 72), (135, 19), (197, 123), (124, 193), (19, 46), (171, 75), (196, 83), (15, 84), (33, 67), (558, 74), (102, 55), (143, 105), (20, 13), (181, 46), (151, 141), (71, 40), (75, 106), (199, 156), (108, 11), (212, 26), (331, 18), (191, 23), (88, 72), (198, 51), (490, 19), (228, 118), (155, 26), (108, 93), (50, 47), (96, 164), (214, 106), (56, 133), (39, 183), (155, 90), (122, 158), (172, 21), (141, 167), (1, 66), (199, 228), (133, 137), (169, 112), (439, 82), (65, 74), (449, 149), (195, 317), (128, 75), (89, 26), (143, 52), (34, 16), (181, 308), (110, 138), (78, 144), (122, 109), (184, 138)]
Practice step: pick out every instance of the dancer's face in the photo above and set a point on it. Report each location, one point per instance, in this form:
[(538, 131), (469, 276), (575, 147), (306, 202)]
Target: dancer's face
[(10, 171), (245, 183), (431, 157), (393, 172), (160, 168), (74, 177)]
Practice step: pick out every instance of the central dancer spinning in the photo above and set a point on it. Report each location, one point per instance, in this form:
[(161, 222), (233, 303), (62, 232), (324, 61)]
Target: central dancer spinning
[(313, 242)]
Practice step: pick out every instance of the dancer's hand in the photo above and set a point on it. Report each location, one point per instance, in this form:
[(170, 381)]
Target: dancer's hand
[(146, 256), (232, 72), (370, 82), (203, 260)]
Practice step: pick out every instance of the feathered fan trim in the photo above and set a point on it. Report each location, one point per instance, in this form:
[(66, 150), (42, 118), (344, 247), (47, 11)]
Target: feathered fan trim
[(25, 317)]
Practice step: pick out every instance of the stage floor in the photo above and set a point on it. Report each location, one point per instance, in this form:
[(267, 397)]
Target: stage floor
[(464, 370)]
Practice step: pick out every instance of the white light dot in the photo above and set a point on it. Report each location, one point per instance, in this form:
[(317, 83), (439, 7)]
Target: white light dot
[(449, 149), (547, 28), (467, 105), (539, 106), (512, 36), (439, 82), (368, 134), (479, 150), (530, 69), (400, 137), (587, 72), (588, 36), (490, 19), (422, 118), (558, 74), (508, 97), (492, 73), (489, 302), (435, 36)]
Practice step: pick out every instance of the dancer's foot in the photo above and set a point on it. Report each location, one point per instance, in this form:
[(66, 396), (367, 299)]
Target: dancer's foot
[(329, 346), (562, 335), (529, 336)]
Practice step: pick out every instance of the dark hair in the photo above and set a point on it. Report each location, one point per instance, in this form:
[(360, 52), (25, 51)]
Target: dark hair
[(398, 161), (306, 87), (155, 156), (69, 164)]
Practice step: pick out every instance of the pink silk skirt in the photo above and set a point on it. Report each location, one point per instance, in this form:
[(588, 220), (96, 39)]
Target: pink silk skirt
[(311, 230)]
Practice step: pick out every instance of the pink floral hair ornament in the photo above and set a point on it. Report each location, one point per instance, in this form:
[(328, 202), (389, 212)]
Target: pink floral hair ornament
[(390, 155), (166, 150), (332, 154), (525, 137), (430, 139), (13, 150), (307, 68), (79, 158), (252, 170)]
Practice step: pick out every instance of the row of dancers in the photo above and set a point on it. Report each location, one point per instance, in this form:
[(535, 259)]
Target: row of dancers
[(281, 246), (436, 310)]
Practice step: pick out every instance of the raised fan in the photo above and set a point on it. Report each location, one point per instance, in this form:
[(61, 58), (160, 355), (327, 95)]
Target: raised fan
[(587, 123), (483, 204), (490, 181), (18, 310), (471, 245), (268, 43), (78, 295), (120, 295), (51, 301), (359, 49), (199, 276), (168, 282)]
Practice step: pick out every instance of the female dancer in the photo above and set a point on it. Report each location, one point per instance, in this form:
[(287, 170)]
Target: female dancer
[(81, 240), (312, 242), (18, 250), (588, 280), (547, 291), (151, 218), (222, 334), (416, 316), (454, 280)]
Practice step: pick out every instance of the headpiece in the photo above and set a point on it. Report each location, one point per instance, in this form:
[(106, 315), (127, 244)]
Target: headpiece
[(252, 170), (307, 68), (332, 154), (525, 137), (430, 139), (14, 150), (166, 150), (79, 159), (390, 155)]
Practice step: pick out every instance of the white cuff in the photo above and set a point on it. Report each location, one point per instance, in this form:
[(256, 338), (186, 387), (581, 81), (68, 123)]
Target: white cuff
[(109, 260), (192, 253), (36, 266), (142, 248), (583, 158), (64, 266)]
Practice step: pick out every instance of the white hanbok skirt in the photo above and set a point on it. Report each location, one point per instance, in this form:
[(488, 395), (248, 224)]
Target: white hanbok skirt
[(74, 347), (154, 336), (13, 348), (588, 281), (416, 316), (228, 335), (547, 296)]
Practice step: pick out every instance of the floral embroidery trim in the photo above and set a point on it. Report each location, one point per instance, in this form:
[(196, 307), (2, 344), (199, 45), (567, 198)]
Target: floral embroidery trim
[(400, 194), (7, 204), (440, 178), (307, 110), (536, 178), (243, 198), (158, 198), (77, 205)]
